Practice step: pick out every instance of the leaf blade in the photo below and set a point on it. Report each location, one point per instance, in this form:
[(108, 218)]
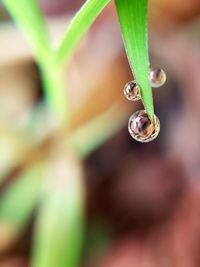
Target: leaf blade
[(133, 21), (18, 201), (29, 18), (78, 27), (59, 226)]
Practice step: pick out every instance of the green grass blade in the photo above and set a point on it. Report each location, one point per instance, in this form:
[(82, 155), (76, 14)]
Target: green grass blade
[(18, 201), (59, 227), (133, 20), (78, 27), (28, 16), (55, 93)]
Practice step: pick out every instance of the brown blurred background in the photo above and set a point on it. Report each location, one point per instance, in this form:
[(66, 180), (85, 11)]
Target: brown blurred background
[(142, 199)]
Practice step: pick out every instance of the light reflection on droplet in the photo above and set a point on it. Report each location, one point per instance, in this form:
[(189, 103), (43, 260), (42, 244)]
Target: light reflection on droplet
[(141, 128), (157, 77), (132, 91)]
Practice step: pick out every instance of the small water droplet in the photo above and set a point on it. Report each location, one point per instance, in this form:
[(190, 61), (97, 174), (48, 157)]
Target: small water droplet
[(132, 91), (141, 128), (157, 77)]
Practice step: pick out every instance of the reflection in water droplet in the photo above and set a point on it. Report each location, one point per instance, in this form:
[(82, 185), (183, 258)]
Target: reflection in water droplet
[(132, 91), (141, 128), (157, 77)]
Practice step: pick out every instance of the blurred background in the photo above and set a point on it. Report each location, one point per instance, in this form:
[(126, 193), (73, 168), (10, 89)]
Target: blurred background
[(142, 200)]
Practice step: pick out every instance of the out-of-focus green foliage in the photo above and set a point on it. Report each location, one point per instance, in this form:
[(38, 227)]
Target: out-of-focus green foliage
[(78, 26), (19, 200), (59, 224)]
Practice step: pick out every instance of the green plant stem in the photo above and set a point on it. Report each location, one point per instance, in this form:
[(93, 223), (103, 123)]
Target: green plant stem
[(78, 27), (19, 200), (59, 226), (28, 17), (55, 91)]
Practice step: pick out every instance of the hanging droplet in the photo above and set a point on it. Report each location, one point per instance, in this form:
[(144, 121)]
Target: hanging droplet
[(141, 128), (132, 91), (157, 77)]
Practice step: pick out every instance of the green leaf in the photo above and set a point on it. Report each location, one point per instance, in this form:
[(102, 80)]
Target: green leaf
[(78, 27), (28, 16), (18, 201), (59, 227), (133, 20)]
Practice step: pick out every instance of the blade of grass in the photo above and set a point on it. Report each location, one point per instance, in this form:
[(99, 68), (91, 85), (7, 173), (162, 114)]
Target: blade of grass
[(84, 140), (18, 201), (133, 21), (29, 18), (59, 227), (78, 27), (56, 93)]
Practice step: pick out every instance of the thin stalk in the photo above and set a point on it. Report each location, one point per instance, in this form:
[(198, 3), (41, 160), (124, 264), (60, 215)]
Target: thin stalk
[(29, 18), (78, 27), (59, 226), (55, 91)]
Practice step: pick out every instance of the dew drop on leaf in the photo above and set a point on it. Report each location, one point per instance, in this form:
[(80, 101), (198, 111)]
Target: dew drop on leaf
[(141, 128), (132, 91), (157, 77)]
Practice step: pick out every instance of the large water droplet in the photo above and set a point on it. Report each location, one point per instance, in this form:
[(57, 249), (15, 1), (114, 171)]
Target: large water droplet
[(141, 128), (132, 91), (157, 77)]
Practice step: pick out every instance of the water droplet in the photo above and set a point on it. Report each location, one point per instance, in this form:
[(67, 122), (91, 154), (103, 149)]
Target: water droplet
[(132, 91), (157, 77), (141, 128)]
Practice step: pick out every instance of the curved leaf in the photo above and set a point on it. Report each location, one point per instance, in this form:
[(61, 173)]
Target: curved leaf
[(133, 20), (78, 27)]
